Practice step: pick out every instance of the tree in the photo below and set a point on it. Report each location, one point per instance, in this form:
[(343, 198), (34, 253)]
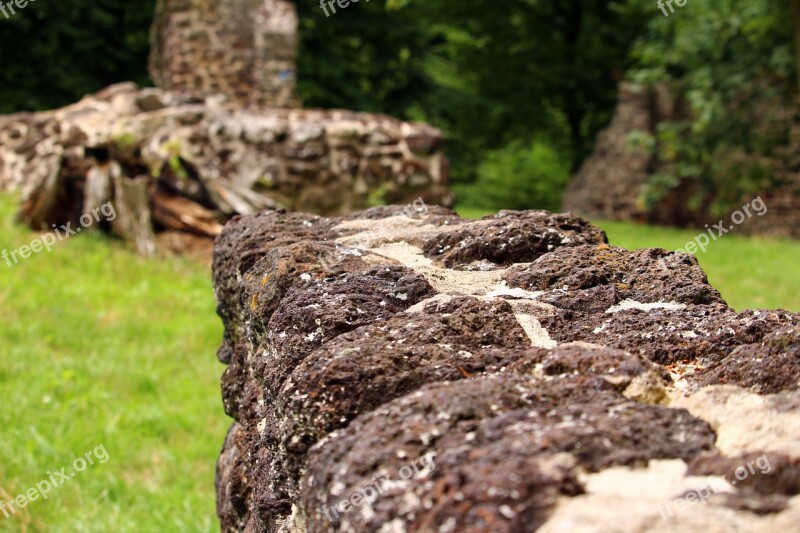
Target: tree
[(796, 24), (732, 65), (53, 53)]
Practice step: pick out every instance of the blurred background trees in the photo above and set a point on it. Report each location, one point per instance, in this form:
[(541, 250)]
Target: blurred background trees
[(521, 87), (730, 65), (53, 53)]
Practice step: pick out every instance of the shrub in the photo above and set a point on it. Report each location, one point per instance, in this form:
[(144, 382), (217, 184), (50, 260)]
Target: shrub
[(519, 176)]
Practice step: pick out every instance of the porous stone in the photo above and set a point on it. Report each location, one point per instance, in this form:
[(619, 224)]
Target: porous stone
[(427, 373)]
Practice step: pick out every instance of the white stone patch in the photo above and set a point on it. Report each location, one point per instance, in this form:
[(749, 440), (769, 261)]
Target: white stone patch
[(373, 233), (295, 523), (540, 338), (392, 239), (645, 499), (419, 307), (311, 337), (337, 488), (587, 345), (395, 526), (443, 280), (504, 290), (350, 251), (744, 422), (633, 304)]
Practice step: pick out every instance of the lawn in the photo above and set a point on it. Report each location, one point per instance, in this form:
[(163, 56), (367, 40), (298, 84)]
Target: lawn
[(102, 348), (750, 272)]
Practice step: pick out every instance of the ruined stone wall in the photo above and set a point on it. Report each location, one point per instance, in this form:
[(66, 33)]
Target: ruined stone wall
[(244, 49), (200, 161), (511, 374), (610, 184)]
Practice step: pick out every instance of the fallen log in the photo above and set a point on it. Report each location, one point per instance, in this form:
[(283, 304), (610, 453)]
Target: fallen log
[(176, 213)]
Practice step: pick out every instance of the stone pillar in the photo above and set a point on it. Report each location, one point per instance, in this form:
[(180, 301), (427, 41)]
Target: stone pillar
[(244, 49)]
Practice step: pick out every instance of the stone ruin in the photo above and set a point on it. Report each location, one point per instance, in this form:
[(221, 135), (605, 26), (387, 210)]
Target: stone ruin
[(245, 49), (611, 182), (220, 137), (390, 373)]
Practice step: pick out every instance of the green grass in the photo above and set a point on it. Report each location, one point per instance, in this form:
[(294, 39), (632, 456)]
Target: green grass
[(100, 347), (750, 272)]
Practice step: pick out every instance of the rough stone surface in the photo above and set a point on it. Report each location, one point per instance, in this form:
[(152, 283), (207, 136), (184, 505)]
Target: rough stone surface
[(510, 237), (647, 276), (510, 374)]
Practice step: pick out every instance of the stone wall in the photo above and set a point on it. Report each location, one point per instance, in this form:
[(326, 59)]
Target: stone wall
[(244, 49), (429, 373), (611, 182), (221, 136), (202, 161), (608, 183)]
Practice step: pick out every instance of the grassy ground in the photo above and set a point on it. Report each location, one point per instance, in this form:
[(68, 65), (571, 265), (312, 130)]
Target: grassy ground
[(99, 347), (749, 272)]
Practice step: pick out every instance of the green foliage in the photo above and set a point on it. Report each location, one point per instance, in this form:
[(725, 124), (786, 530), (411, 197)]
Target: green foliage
[(377, 197), (641, 142), (124, 141), (488, 73), (730, 63), (365, 58), (530, 176), (714, 48), (176, 166), (53, 53)]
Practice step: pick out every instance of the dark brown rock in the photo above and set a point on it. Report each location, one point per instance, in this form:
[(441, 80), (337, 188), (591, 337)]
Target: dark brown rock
[(511, 237), (358, 354), (767, 367), (696, 333), (494, 442), (322, 310), (766, 473), (646, 276)]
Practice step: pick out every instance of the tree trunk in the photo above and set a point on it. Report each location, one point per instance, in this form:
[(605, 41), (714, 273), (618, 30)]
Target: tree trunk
[(132, 206)]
